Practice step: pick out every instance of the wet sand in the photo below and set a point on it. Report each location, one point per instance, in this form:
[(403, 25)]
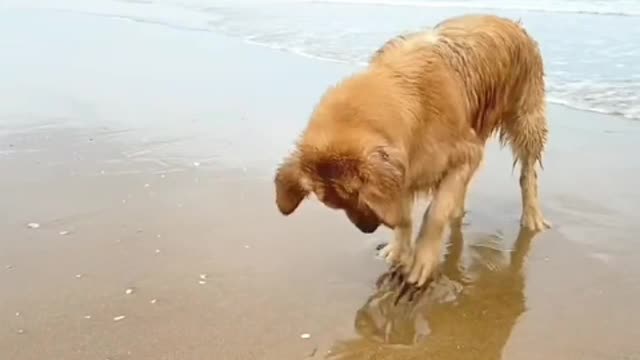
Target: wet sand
[(149, 179)]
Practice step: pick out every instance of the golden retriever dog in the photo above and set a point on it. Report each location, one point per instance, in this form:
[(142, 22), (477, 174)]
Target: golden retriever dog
[(415, 122)]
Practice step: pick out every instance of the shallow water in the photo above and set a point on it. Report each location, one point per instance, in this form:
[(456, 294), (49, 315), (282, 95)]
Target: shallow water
[(591, 63), (591, 48)]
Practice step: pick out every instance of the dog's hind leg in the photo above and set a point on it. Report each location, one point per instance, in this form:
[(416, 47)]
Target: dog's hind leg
[(527, 136)]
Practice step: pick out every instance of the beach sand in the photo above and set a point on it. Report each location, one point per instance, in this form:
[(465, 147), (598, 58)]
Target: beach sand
[(138, 221)]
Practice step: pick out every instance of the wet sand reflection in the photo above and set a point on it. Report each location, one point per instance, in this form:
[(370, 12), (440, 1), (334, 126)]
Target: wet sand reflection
[(468, 312)]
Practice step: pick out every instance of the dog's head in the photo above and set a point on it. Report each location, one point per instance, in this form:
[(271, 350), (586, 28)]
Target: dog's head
[(365, 183), (344, 157)]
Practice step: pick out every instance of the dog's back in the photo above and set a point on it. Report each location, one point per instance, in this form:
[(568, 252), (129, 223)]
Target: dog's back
[(493, 58)]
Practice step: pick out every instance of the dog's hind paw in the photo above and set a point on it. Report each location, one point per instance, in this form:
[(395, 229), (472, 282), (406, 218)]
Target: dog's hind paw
[(534, 222), (383, 250)]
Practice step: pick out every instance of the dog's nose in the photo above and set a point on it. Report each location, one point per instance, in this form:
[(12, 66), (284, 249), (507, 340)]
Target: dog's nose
[(368, 228)]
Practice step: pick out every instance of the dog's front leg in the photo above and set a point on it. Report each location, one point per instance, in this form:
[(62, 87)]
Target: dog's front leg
[(398, 251), (443, 207)]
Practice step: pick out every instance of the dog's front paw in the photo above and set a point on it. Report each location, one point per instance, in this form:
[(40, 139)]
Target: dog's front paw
[(395, 255), (534, 221), (424, 263)]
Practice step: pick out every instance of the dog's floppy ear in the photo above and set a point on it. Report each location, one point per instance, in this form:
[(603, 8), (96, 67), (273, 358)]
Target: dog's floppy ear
[(384, 171), (289, 189)]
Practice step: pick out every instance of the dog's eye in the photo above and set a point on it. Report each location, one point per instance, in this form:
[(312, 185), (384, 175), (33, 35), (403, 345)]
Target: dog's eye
[(344, 191), (333, 198)]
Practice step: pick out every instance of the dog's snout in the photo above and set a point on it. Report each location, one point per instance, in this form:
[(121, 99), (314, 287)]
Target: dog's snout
[(368, 228), (367, 222)]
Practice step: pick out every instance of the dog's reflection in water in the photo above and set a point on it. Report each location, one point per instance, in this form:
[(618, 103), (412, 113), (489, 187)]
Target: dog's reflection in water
[(468, 311)]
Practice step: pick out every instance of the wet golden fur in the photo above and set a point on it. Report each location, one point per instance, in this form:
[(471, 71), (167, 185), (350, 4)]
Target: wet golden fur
[(415, 121)]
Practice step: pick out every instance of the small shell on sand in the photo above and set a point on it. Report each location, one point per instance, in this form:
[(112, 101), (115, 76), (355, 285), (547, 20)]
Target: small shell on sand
[(120, 317), (147, 185), (64, 232), (20, 331), (202, 282), (203, 276), (196, 164), (157, 251), (33, 225), (88, 317), (129, 291), (153, 301), (305, 336), (78, 276)]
